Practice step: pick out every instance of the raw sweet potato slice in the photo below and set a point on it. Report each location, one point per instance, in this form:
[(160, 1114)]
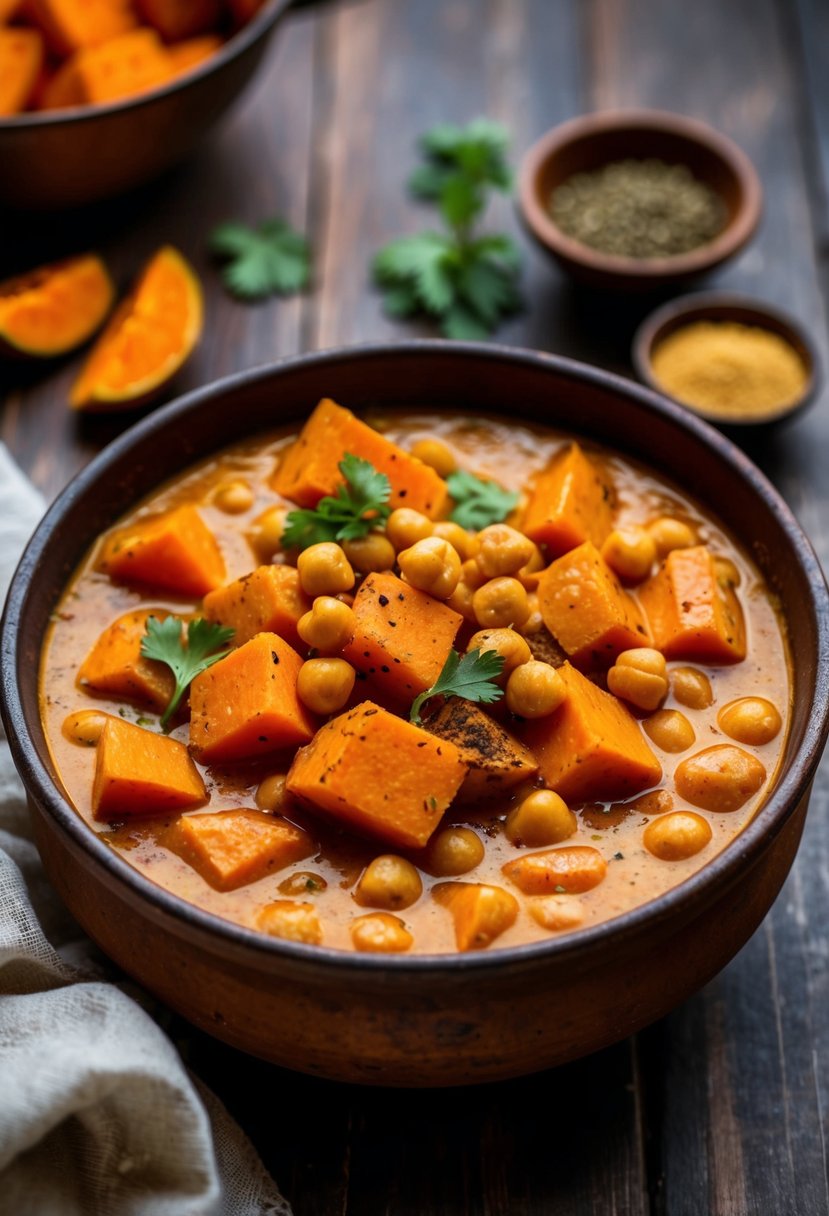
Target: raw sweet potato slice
[(247, 705), (691, 615), (233, 848), (571, 502), (591, 748), (379, 775), (497, 761), (587, 610), (572, 870), (151, 335), (176, 19), (268, 600), (193, 51), (481, 912), (175, 551), (138, 772), (70, 25), (308, 470), (21, 60), (116, 667), (55, 308), (402, 637)]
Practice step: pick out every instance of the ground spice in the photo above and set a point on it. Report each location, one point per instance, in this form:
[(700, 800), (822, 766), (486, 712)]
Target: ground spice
[(729, 370), (638, 209)]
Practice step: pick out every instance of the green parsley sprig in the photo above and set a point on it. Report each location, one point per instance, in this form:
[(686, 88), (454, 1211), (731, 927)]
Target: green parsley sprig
[(466, 281), (164, 642), (359, 506), (267, 260), (469, 676), (478, 502)]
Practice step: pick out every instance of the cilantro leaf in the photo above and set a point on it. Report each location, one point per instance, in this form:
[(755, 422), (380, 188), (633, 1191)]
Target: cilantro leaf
[(262, 261), (477, 502), (470, 676), (359, 505), (163, 641)]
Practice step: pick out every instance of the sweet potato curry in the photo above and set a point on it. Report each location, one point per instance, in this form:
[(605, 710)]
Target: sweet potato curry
[(416, 683)]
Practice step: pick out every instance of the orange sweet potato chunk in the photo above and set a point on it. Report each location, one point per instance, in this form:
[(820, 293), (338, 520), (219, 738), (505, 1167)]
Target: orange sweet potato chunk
[(116, 667), (175, 551), (402, 637), (70, 25), (377, 774), (176, 19), (268, 600), (138, 772), (481, 912), (122, 67), (690, 614), (189, 54), (591, 748), (21, 61), (308, 470), (233, 848), (247, 705), (573, 869), (496, 760), (571, 502)]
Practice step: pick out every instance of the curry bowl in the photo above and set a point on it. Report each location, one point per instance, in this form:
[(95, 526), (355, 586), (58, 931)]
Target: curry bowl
[(70, 157), (428, 1019)]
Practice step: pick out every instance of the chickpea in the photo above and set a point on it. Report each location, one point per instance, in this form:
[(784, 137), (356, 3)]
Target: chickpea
[(328, 626), (374, 552), (458, 537), (432, 565), (512, 648), (270, 793), (380, 933), (502, 550), (726, 571), (655, 802), (640, 677), (389, 881), (542, 818), (720, 778), (84, 726), (453, 851), (557, 911), (461, 601), (324, 569), (266, 532), (436, 454), (752, 720), (692, 688), (324, 685), (535, 690), (677, 835), (630, 552), (472, 575), (669, 533), (234, 497), (500, 603), (670, 730), (297, 922), (405, 527), (302, 882)]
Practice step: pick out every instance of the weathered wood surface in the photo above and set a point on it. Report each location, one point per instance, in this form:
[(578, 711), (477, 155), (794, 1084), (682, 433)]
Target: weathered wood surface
[(721, 1108)]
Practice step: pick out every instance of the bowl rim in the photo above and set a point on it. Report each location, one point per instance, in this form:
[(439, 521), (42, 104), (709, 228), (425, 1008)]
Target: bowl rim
[(254, 29), (704, 305), (723, 868), (736, 233)]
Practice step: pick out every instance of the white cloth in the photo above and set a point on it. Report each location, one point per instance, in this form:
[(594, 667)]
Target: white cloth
[(98, 1116)]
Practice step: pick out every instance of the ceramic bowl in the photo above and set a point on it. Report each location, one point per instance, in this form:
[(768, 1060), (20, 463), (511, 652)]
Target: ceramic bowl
[(65, 158), (593, 140), (426, 1019)]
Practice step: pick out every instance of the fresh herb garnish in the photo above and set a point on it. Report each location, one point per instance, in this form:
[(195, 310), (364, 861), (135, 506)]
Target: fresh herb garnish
[(467, 282), (267, 260), (163, 641), (469, 676), (478, 503), (358, 507)]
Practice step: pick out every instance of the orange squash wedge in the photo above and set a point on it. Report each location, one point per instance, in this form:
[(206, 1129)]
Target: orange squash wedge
[(55, 308), (151, 335)]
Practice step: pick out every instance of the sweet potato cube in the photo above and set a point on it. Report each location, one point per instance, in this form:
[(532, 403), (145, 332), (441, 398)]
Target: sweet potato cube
[(115, 665), (480, 912), (246, 705), (570, 503), (122, 67), (292, 920), (233, 848), (587, 610), (308, 470), (378, 775), (591, 748), (497, 761), (175, 551), (70, 25), (138, 772), (21, 60), (61, 89), (401, 639), (268, 600), (574, 869), (691, 615), (176, 19), (193, 51)]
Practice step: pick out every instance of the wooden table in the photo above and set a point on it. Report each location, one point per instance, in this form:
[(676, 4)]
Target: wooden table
[(720, 1108)]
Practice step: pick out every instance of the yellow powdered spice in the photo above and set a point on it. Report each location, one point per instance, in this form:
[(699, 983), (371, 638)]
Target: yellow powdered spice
[(729, 370)]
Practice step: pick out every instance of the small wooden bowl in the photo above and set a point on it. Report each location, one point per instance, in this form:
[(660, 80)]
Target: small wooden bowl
[(594, 140), (718, 306), (66, 158)]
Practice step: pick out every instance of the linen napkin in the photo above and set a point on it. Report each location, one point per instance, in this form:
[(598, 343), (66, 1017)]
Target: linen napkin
[(98, 1116)]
